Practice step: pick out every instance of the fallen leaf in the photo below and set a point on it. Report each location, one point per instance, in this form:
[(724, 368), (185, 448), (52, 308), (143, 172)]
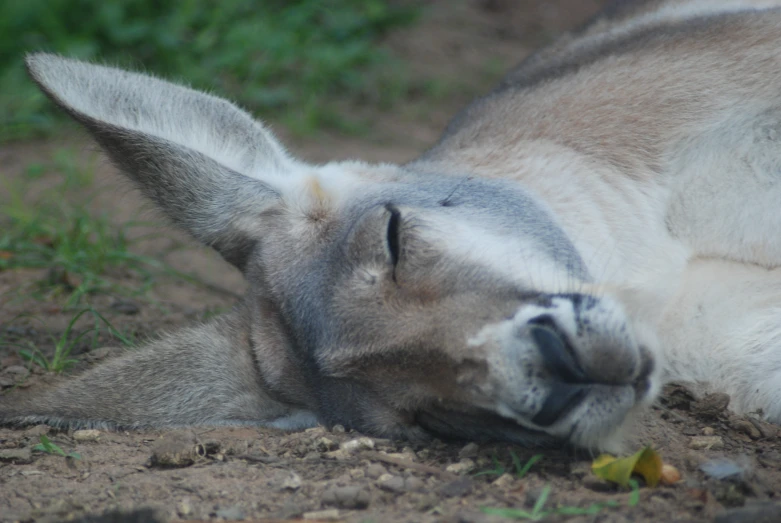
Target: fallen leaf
[(645, 462)]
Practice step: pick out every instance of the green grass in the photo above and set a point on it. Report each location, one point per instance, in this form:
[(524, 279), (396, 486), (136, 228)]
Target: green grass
[(47, 446), (80, 249), (539, 512), (63, 346), (288, 58), (521, 469)]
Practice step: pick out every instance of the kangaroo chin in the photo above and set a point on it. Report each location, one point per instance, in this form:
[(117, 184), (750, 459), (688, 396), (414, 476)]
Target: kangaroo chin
[(602, 222)]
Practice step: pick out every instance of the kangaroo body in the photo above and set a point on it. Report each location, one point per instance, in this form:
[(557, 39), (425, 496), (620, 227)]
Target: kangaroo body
[(604, 221)]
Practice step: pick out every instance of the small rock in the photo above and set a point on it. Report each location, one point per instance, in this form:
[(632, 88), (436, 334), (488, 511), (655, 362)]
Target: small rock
[(406, 456), (37, 431), (504, 481), (706, 443), (391, 483), (338, 429), (722, 469), (469, 451), (86, 435), (291, 482), (98, 354), (350, 497), (16, 372), (175, 449), (339, 455), (580, 469), (464, 466), (457, 488), (184, 508), (757, 512), (23, 455), (125, 307), (768, 430), (427, 502), (357, 474), (232, 513), (708, 431), (330, 514), (710, 406), (325, 444), (375, 470), (676, 396), (413, 484), (20, 331), (746, 427), (355, 445)]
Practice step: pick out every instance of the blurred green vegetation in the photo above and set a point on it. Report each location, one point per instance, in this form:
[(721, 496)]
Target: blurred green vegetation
[(285, 59)]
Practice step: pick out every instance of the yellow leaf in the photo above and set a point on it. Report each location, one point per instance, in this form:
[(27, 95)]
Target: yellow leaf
[(645, 462)]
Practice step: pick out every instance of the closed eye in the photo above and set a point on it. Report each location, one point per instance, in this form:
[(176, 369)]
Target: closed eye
[(392, 239)]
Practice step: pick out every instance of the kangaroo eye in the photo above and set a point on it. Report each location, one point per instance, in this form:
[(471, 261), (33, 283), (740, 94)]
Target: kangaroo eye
[(392, 234)]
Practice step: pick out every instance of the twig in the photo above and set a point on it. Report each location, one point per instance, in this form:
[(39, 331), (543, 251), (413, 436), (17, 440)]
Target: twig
[(405, 463)]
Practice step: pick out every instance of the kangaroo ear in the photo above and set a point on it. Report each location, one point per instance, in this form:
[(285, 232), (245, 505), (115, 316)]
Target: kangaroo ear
[(207, 164)]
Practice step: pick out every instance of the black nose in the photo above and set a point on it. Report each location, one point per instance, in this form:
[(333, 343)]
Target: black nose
[(563, 397), (557, 355), (569, 383)]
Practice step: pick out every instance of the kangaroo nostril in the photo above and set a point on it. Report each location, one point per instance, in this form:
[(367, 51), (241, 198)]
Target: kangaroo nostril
[(563, 397), (557, 355)]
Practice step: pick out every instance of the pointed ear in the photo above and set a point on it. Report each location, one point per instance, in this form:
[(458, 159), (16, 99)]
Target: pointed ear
[(208, 165)]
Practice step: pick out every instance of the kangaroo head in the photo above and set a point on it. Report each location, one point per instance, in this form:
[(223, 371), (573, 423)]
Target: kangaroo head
[(396, 300)]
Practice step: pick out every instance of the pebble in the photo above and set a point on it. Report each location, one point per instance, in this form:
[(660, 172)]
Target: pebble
[(37, 431), (746, 427), (23, 455), (391, 483), (358, 444), (462, 467), (338, 429), (331, 514), (291, 482), (706, 442), (326, 444), (406, 456), (175, 449), (710, 405), (125, 307), (232, 513), (339, 455), (723, 469), (708, 431), (504, 481), (413, 484), (16, 372), (458, 488), (469, 451), (184, 508), (350, 497), (86, 435), (758, 512), (375, 470)]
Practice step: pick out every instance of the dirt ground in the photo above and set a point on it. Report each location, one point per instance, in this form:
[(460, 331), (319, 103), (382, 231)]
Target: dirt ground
[(269, 475)]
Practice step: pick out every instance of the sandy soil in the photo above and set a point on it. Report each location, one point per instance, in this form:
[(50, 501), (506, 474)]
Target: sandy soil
[(267, 475)]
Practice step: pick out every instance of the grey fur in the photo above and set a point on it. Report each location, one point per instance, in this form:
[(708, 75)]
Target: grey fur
[(460, 295)]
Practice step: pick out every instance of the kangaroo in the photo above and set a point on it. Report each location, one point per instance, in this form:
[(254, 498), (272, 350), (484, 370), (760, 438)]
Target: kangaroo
[(604, 221)]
